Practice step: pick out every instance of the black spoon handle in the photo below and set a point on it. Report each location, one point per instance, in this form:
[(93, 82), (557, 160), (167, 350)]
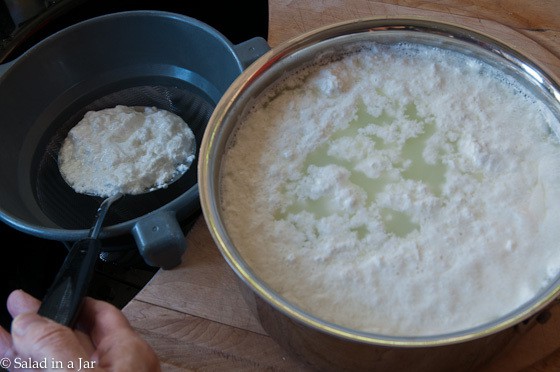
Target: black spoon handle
[(66, 295)]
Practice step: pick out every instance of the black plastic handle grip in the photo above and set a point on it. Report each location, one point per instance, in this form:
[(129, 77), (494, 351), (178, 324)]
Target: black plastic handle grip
[(65, 296)]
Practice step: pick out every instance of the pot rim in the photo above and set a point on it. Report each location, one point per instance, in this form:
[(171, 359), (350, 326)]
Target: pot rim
[(215, 138)]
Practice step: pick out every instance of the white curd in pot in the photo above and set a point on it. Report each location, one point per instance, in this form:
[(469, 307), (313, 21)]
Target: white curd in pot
[(400, 190)]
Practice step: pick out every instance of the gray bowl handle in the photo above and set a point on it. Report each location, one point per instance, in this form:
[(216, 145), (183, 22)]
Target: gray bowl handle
[(160, 239), (250, 50)]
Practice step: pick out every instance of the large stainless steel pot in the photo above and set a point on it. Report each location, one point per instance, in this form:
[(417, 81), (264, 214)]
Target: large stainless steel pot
[(321, 344)]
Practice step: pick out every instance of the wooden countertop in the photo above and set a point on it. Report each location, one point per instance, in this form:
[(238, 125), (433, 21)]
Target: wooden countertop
[(194, 315)]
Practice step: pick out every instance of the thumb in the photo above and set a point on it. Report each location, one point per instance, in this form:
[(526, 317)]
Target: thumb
[(38, 338)]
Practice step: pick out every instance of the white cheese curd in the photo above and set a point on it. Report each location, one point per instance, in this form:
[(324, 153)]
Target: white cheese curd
[(126, 149), (400, 190)]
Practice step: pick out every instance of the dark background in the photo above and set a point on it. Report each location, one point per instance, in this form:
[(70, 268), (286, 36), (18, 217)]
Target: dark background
[(31, 263)]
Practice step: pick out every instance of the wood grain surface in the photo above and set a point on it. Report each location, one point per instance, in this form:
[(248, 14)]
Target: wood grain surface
[(194, 315)]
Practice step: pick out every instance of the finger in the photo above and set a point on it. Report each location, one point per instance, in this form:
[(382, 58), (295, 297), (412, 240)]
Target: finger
[(20, 302), (118, 345), (99, 319), (37, 338), (85, 341), (5, 344)]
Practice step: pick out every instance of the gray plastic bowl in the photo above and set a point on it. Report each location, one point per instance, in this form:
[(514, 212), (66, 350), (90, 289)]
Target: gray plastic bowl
[(92, 62)]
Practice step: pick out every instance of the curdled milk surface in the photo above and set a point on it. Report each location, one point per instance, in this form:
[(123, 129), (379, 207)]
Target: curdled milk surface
[(399, 190)]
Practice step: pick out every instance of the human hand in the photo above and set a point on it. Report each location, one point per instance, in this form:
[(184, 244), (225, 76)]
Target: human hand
[(103, 340)]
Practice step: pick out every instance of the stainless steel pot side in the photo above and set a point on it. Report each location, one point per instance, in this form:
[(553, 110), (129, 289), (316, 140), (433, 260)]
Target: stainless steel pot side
[(324, 345)]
